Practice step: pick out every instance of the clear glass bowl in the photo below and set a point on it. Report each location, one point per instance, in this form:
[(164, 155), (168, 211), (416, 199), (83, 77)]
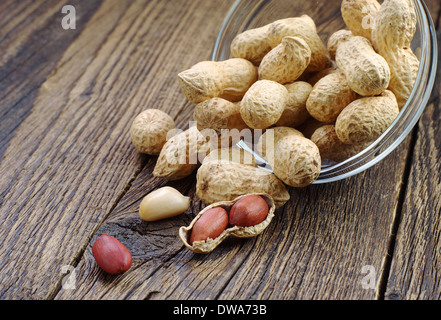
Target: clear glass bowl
[(247, 14)]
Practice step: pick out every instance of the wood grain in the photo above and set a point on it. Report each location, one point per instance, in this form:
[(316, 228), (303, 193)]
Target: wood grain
[(415, 270), (69, 172), (31, 42), (70, 159)]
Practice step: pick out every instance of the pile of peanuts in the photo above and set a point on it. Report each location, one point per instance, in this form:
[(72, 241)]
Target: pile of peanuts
[(309, 100)]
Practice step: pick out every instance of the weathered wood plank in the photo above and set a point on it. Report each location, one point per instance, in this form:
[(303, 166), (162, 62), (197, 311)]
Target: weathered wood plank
[(415, 269), (59, 185), (31, 43), (47, 207)]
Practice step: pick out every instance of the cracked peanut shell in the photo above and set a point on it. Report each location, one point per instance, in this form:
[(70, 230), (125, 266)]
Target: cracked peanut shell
[(235, 231)]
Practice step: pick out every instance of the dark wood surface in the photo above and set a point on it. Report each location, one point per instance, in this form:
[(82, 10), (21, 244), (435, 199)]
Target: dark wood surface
[(69, 173)]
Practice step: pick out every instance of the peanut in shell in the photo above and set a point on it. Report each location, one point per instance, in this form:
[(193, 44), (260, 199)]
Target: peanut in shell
[(235, 231)]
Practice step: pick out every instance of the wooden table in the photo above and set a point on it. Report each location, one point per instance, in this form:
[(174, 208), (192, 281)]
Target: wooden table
[(69, 173)]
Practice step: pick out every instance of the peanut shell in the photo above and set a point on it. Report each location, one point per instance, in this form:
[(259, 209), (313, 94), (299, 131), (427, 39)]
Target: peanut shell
[(228, 79), (235, 231), (404, 71), (251, 44), (394, 26), (329, 96), (223, 117), (367, 72), (269, 139), (367, 118), (286, 62), (332, 148), (181, 155), (297, 161), (305, 28), (226, 180), (149, 130), (295, 112), (263, 104), (359, 16), (394, 29), (334, 40)]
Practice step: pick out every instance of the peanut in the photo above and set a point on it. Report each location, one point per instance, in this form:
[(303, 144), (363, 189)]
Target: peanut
[(219, 114), (367, 72), (163, 203), (263, 104), (393, 31), (302, 27), (331, 147), (334, 39), (149, 131), (216, 211), (225, 181), (210, 225), (228, 79), (286, 62), (329, 96), (248, 211), (254, 44), (297, 161), (233, 154), (269, 139), (295, 112), (404, 70), (111, 255), (313, 77), (359, 16), (251, 44), (367, 118), (181, 155), (394, 26)]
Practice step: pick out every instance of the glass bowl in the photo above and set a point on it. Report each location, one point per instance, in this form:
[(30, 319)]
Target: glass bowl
[(247, 14)]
